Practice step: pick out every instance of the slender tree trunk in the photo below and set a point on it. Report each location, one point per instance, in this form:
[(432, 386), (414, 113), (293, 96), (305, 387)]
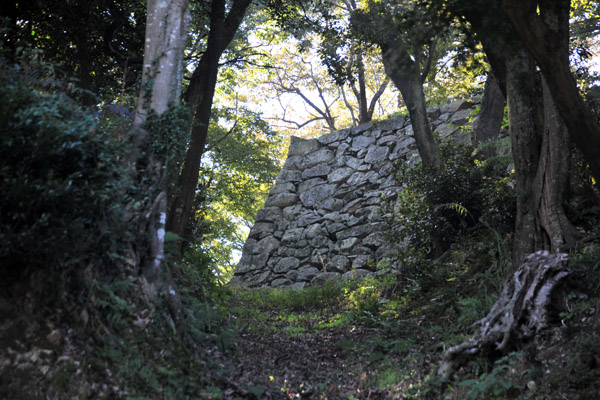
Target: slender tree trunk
[(406, 76), (199, 96), (489, 121), (166, 32), (363, 112), (182, 205)]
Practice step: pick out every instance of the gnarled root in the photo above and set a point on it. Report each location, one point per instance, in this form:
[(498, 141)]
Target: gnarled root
[(518, 315)]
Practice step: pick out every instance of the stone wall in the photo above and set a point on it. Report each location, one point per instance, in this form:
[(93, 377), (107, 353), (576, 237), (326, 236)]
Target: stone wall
[(323, 218)]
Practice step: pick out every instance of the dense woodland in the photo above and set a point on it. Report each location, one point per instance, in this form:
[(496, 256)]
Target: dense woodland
[(140, 138)]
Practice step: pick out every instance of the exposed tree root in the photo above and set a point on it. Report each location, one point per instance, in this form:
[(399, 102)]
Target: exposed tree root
[(519, 314)]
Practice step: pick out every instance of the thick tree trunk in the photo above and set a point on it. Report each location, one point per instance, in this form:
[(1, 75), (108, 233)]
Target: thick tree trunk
[(550, 49), (554, 168), (489, 121), (407, 78), (525, 133), (199, 97), (556, 154)]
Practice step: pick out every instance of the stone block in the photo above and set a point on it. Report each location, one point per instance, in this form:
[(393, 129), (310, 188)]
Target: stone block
[(320, 156), (309, 184), (292, 275), (338, 263), (362, 128), (292, 235), (292, 163), (283, 188), (290, 213), (316, 195), (374, 240), (339, 175), (307, 273), (286, 264), (461, 117), (269, 214), (361, 142), (342, 150), (387, 140), (319, 170), (392, 124), (433, 113), (333, 204), (288, 175), (347, 244), (324, 277), (279, 282), (260, 228), (356, 275), (259, 279), (377, 154), (309, 219), (250, 246), (455, 106), (354, 163), (282, 200), (301, 147), (267, 245), (330, 138)]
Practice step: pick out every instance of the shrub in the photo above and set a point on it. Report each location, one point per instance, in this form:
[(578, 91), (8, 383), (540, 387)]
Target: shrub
[(62, 183), (436, 208)]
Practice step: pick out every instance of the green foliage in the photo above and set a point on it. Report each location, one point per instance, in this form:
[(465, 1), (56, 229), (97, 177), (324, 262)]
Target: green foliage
[(496, 384), (100, 43), (435, 208), (238, 169), (169, 133), (62, 181)]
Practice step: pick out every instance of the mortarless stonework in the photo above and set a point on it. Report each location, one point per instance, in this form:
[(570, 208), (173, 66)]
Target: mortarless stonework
[(323, 218)]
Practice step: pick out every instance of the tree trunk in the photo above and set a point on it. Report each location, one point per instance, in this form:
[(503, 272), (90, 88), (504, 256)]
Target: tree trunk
[(550, 49), (554, 168), (406, 76), (525, 133), (166, 33), (489, 121), (199, 96), (363, 113), (556, 155)]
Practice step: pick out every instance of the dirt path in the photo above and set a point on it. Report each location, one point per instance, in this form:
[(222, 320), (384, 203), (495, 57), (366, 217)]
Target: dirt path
[(328, 363)]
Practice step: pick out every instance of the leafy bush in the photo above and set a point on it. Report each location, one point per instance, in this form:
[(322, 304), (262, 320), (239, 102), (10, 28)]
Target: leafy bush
[(63, 187), (435, 208)]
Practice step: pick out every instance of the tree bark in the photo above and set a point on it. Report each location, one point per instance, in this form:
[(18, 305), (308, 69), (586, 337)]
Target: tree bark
[(556, 154), (406, 76), (525, 132), (166, 33), (555, 162), (550, 49), (199, 96), (520, 314), (489, 121)]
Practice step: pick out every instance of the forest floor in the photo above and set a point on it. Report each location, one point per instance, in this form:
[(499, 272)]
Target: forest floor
[(358, 343), (375, 339)]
